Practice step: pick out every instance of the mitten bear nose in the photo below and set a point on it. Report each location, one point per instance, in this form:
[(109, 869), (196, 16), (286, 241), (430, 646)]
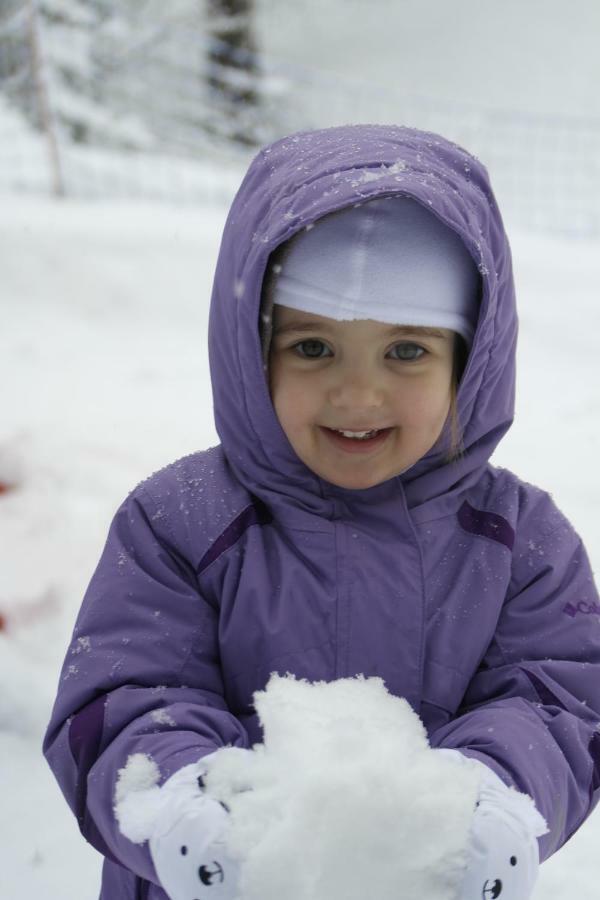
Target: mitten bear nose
[(206, 875), (493, 891)]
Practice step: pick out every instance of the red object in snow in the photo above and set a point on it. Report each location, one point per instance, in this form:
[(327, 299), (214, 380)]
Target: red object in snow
[(4, 487)]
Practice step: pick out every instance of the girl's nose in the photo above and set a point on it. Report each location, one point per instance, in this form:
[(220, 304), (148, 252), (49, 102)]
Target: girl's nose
[(357, 389)]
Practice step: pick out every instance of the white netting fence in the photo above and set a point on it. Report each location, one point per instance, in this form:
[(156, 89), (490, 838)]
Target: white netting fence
[(96, 113)]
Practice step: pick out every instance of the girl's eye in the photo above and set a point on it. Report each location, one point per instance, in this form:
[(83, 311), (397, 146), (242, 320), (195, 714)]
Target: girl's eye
[(313, 345), (409, 352)]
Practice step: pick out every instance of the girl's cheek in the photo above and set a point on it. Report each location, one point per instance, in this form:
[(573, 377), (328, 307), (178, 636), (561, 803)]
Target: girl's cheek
[(426, 403), (291, 403), (279, 381)]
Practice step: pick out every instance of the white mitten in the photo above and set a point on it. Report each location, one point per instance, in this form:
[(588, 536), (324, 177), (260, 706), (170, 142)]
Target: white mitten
[(503, 854), (187, 846), (186, 830)]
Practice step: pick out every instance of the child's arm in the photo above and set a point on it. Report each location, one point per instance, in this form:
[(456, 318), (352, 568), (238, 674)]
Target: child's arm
[(532, 710), (141, 676)]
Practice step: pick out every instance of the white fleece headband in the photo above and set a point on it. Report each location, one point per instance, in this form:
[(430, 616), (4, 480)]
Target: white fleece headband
[(389, 259)]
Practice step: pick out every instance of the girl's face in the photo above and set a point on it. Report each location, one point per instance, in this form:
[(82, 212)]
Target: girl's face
[(359, 375)]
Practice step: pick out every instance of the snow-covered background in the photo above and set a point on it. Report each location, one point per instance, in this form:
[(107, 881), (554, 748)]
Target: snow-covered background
[(505, 55), (130, 110), (103, 336)]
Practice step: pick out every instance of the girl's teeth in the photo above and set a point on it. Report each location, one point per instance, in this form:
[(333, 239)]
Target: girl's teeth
[(358, 434)]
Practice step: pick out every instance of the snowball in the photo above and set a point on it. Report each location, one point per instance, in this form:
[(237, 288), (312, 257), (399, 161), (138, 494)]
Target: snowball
[(344, 799)]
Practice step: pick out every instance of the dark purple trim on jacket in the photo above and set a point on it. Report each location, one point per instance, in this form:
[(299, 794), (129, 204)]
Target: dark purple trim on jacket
[(595, 754), (486, 524), (256, 514), (548, 698), (85, 734), (544, 693)]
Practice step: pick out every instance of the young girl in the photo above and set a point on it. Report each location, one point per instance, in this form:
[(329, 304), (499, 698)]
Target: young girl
[(362, 342)]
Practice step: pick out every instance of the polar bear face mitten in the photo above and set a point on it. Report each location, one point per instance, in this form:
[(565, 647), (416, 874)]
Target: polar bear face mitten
[(503, 855), (185, 828)]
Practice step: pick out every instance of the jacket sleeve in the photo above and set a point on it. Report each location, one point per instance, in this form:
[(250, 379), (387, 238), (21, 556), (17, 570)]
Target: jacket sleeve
[(141, 675), (532, 710)]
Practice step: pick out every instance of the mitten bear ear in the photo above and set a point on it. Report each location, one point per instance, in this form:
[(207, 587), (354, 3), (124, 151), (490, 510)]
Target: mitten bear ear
[(138, 799), (523, 807), (519, 805)]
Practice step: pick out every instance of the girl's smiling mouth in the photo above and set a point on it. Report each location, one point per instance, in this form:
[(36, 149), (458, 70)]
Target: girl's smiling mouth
[(356, 444)]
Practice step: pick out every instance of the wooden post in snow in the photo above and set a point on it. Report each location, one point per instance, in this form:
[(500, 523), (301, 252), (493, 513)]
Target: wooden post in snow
[(43, 101)]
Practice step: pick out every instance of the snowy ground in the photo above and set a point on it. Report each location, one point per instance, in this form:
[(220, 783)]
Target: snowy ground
[(103, 351)]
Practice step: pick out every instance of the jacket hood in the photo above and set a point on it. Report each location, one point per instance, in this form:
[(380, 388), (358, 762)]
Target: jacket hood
[(290, 184)]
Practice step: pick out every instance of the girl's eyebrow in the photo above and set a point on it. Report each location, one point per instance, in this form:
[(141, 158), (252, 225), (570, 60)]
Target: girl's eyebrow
[(306, 326)]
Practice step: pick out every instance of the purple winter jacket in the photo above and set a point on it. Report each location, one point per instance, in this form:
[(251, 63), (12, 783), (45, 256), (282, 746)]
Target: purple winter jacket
[(460, 585)]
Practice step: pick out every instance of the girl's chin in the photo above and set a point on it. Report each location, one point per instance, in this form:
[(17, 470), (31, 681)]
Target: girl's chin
[(356, 485)]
